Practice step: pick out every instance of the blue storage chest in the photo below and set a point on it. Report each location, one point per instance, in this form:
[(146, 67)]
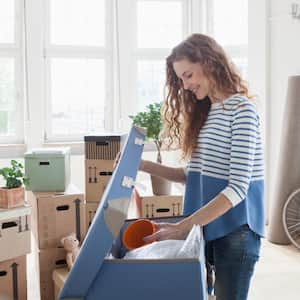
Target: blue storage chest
[(94, 276)]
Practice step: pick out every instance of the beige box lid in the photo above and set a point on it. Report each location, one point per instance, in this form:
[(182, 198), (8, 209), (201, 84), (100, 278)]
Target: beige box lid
[(15, 212)]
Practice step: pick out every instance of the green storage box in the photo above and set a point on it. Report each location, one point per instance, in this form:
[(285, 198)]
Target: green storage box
[(48, 169)]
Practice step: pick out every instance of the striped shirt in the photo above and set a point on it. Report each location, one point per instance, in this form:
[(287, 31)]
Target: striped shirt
[(229, 147)]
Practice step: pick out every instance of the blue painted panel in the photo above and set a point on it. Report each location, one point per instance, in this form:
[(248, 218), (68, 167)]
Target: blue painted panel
[(159, 280), (99, 239)]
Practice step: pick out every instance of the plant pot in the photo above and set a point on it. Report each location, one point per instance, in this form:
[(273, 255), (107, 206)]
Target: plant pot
[(12, 197), (160, 186)]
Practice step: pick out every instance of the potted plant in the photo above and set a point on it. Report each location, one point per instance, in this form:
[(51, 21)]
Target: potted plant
[(151, 120), (12, 194)]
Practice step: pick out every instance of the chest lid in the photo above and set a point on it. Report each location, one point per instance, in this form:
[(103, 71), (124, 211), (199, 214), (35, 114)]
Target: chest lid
[(108, 220), (47, 152)]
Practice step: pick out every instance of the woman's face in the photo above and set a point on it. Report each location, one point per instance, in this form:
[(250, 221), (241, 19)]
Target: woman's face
[(192, 77)]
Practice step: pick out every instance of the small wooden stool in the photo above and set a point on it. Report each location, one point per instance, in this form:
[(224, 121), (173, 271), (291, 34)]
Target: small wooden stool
[(59, 277)]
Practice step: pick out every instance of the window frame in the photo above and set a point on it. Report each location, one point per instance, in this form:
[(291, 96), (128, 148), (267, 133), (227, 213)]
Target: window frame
[(74, 51), (130, 56), (30, 73), (234, 51), (15, 52)]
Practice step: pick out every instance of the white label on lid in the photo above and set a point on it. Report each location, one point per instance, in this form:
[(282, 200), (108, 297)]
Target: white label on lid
[(48, 151)]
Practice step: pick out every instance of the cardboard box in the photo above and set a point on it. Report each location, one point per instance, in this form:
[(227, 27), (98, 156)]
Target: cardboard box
[(13, 283), (97, 175), (154, 206), (59, 277), (48, 169), (161, 206), (90, 212), (14, 232), (103, 147), (49, 260), (55, 215)]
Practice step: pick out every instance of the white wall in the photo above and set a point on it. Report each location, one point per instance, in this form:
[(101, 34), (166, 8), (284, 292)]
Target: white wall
[(284, 61), (258, 64)]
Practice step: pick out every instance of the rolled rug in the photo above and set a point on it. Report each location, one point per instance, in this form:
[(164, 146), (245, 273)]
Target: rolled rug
[(288, 173)]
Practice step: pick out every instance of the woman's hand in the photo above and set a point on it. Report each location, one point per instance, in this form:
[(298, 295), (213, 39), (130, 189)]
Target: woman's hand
[(169, 231)]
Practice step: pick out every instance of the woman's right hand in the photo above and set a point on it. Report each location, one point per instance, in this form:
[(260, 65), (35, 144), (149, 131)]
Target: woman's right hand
[(169, 231)]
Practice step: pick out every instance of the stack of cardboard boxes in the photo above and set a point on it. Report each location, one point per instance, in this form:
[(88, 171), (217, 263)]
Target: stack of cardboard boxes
[(14, 245), (57, 211), (100, 153)]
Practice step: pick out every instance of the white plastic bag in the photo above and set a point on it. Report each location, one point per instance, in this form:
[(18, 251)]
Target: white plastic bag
[(192, 245), (189, 248)]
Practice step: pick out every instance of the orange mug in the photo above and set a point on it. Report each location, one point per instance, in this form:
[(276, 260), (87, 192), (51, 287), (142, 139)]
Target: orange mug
[(135, 232)]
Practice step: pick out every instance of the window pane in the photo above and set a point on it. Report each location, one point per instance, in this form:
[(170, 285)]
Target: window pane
[(7, 97), (151, 80), (77, 95), (242, 65), (159, 24), (231, 22), (77, 22), (7, 21)]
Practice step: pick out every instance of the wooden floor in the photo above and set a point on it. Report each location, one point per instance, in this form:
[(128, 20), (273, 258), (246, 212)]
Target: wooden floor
[(277, 274)]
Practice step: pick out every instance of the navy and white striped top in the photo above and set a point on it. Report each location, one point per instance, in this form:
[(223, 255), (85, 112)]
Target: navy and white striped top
[(228, 160), (230, 147)]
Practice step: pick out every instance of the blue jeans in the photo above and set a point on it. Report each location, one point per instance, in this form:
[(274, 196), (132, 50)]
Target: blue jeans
[(233, 258)]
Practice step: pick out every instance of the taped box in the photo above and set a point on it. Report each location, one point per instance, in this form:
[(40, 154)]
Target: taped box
[(14, 232), (48, 169), (13, 283), (97, 175), (161, 206), (55, 215), (90, 212), (154, 206), (49, 260), (103, 146)]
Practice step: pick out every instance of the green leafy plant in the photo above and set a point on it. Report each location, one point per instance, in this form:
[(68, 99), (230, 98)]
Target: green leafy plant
[(151, 120), (14, 175)]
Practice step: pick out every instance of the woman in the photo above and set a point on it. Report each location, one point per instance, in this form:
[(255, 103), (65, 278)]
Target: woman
[(209, 114)]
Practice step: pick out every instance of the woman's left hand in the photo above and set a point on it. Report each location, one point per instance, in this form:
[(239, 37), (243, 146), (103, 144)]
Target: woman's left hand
[(169, 231)]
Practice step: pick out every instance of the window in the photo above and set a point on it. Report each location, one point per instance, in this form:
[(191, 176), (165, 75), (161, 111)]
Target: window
[(153, 43), (77, 96), (11, 120), (150, 82), (77, 59), (231, 29), (92, 63), (163, 32)]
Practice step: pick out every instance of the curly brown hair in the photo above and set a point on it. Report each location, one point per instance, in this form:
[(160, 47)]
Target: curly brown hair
[(183, 114)]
